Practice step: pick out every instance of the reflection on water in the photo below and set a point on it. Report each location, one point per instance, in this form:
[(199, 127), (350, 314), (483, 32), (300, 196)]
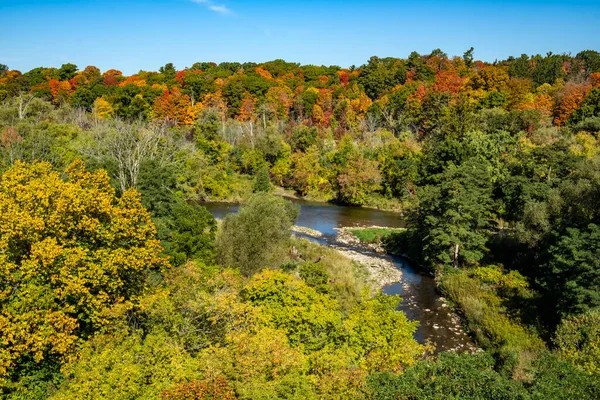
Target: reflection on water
[(420, 300)]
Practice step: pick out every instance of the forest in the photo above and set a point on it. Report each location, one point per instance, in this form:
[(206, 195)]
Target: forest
[(117, 283)]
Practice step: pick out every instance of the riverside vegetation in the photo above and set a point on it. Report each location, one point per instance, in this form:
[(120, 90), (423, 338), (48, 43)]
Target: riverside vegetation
[(115, 283)]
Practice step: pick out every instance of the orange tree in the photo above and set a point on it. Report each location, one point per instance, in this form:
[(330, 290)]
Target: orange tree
[(72, 257)]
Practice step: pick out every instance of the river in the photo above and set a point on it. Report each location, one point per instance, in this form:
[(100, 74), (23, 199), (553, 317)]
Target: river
[(420, 299)]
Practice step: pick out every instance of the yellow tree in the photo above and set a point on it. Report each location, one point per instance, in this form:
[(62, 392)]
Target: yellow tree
[(103, 108), (73, 256), (280, 99)]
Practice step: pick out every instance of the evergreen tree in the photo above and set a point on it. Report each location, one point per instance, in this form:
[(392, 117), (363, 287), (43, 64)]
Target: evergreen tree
[(262, 182)]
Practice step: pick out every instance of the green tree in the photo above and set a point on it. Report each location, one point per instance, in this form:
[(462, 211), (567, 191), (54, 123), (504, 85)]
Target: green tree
[(453, 216), (192, 234), (590, 59), (520, 67), (380, 75), (253, 238), (571, 277), (468, 57), (309, 318), (358, 179), (578, 340), (126, 366), (67, 72), (83, 97), (262, 181), (556, 379), (451, 376), (303, 137)]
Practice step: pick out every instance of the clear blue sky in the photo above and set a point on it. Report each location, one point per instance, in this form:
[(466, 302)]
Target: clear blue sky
[(133, 35)]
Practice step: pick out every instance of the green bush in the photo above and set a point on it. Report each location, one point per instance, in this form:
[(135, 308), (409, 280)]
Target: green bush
[(488, 319), (315, 276), (451, 376), (578, 340), (559, 380), (254, 238), (192, 231)]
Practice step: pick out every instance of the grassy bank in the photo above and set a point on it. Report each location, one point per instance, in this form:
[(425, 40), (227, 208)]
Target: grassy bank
[(374, 235), (497, 310), (340, 276)]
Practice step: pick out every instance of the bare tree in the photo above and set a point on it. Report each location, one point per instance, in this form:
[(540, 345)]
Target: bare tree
[(23, 104), (128, 145)]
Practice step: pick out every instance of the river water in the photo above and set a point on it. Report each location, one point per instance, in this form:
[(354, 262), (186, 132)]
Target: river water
[(420, 299)]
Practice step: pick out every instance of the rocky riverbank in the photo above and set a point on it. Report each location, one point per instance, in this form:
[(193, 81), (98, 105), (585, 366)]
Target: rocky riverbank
[(381, 271), (307, 231), (346, 237)]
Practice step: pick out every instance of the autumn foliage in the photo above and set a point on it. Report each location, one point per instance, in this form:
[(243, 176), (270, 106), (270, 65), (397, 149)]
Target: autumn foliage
[(72, 258)]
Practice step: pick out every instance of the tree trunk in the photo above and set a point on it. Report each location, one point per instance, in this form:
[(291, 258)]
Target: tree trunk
[(456, 246)]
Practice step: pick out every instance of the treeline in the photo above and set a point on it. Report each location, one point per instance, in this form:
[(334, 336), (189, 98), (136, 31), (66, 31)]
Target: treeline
[(292, 119)]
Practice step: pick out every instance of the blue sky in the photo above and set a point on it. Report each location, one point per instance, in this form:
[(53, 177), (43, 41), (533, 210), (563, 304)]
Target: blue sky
[(133, 35)]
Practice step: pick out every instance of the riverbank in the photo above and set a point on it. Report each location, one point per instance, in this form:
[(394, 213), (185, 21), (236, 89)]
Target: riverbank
[(440, 322), (380, 271), (495, 307), (370, 237)]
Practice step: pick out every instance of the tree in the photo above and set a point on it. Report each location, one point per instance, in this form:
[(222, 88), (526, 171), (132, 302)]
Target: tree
[(591, 61), (72, 257), (309, 318), (168, 71), (10, 139), (303, 137), (217, 388), (455, 376), (453, 216), (589, 108), (126, 366), (468, 57), (128, 146), (262, 182), (520, 67), (358, 179), (578, 340), (192, 236), (548, 69), (308, 175), (83, 97), (252, 239), (572, 96), (67, 72), (175, 106), (571, 277), (102, 108), (557, 379), (380, 75)]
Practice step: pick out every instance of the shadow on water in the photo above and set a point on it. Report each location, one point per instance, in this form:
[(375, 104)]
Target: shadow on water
[(420, 299)]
